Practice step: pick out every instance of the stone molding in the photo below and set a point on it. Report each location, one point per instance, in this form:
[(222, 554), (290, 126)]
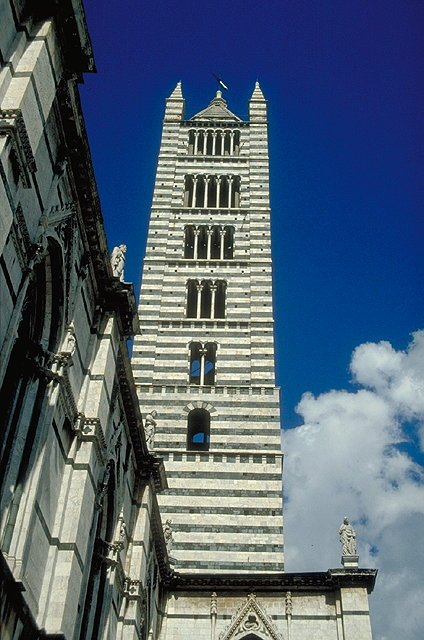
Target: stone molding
[(330, 580)]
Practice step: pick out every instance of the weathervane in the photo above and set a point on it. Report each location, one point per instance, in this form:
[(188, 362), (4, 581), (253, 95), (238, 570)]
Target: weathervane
[(220, 82)]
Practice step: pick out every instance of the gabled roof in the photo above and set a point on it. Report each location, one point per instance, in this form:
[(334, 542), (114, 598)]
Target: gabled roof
[(217, 110)]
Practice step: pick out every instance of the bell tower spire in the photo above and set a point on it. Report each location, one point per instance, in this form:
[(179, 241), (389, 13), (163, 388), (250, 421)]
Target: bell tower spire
[(175, 104)]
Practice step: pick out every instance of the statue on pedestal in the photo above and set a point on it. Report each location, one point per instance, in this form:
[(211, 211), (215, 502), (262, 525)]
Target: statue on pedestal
[(150, 429), (347, 538)]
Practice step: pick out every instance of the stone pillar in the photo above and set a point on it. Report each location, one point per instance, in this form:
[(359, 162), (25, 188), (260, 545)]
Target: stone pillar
[(221, 244), (196, 243), (205, 196), (196, 143), (205, 142), (218, 190), (199, 300), (193, 202), (213, 143), (208, 249), (231, 143), (213, 295), (230, 190), (202, 353)]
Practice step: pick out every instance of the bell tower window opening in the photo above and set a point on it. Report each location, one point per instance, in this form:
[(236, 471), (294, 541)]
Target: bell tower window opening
[(189, 232), (228, 243), (206, 299), (219, 310), (202, 246), (202, 363), (188, 191), (192, 296), (191, 142), (208, 142), (208, 243), (234, 197), (212, 191), (215, 243), (198, 430), (227, 143)]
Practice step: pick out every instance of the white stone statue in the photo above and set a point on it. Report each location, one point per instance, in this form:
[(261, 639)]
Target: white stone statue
[(347, 538), (168, 535), (150, 429), (70, 341), (117, 260)]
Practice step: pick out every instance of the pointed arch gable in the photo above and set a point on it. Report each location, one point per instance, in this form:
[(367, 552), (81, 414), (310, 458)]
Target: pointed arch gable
[(251, 622)]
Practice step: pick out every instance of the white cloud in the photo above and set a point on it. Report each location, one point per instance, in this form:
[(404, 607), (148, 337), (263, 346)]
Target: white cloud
[(346, 460)]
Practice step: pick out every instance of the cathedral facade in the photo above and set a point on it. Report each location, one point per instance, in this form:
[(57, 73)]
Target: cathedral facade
[(141, 500)]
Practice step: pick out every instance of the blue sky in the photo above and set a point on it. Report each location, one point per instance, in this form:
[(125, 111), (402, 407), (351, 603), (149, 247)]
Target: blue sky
[(344, 86)]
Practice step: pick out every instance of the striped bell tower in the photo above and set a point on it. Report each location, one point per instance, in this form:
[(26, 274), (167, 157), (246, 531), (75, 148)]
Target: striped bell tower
[(205, 359)]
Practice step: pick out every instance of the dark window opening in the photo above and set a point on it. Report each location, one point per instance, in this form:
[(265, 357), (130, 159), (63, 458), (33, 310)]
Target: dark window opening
[(206, 300), (202, 247), (198, 430), (192, 298), (189, 242), (215, 243), (220, 299), (229, 243)]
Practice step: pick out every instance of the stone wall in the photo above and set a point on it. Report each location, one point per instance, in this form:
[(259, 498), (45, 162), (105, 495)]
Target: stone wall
[(81, 539)]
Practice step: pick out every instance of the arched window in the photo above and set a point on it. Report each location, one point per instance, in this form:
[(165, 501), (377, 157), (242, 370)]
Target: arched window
[(227, 143), (212, 190), (228, 248), (215, 250), (200, 189), (220, 299), (222, 199), (218, 144), (192, 293), (202, 246), (195, 362), (24, 388), (206, 300), (235, 192), (202, 363), (198, 430), (191, 140), (188, 191), (236, 143), (189, 232), (200, 142), (209, 143)]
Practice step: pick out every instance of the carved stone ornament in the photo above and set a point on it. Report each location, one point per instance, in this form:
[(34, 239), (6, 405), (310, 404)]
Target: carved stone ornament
[(251, 618), (12, 124), (214, 604), (90, 430), (289, 604)]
